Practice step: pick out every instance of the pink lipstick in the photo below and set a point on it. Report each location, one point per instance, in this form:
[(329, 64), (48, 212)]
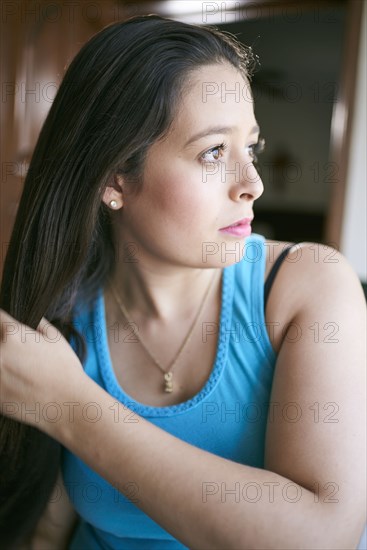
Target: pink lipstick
[(242, 228)]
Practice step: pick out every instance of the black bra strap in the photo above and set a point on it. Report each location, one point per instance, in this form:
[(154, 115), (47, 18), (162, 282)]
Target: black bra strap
[(270, 279)]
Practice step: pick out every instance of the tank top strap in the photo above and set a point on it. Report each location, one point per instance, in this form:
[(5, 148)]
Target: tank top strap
[(274, 270)]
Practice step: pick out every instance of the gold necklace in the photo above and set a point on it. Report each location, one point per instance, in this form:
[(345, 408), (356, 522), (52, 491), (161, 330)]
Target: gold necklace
[(168, 376)]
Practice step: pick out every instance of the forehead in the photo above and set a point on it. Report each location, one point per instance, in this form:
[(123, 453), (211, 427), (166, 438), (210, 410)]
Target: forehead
[(215, 95)]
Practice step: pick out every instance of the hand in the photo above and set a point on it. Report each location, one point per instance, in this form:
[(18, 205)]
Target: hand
[(39, 372)]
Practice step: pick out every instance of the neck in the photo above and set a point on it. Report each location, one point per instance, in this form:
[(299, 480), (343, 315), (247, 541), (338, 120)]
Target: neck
[(162, 294)]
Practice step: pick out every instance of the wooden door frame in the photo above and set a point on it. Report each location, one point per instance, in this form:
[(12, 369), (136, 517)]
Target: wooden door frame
[(342, 120)]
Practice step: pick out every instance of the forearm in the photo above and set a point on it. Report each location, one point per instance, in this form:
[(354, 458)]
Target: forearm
[(203, 500)]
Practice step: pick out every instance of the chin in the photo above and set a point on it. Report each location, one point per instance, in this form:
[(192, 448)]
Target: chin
[(222, 253)]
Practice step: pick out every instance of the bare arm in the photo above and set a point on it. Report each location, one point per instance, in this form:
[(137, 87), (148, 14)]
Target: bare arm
[(311, 494), (57, 524)]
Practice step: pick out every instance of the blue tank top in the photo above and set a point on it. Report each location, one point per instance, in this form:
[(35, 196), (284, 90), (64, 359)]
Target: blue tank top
[(227, 417)]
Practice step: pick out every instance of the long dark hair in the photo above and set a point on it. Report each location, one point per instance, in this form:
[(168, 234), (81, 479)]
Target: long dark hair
[(118, 96)]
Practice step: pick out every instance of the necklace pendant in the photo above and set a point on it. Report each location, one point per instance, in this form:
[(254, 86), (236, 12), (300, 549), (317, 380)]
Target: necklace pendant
[(168, 387)]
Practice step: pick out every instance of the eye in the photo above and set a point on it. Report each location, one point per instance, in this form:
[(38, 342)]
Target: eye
[(215, 152), (256, 148)]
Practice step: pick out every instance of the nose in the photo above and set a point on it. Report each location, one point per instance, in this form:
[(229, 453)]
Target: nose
[(247, 185)]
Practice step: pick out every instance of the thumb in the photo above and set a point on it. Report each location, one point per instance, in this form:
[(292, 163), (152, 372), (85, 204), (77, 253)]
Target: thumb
[(43, 325), (49, 331), (5, 318)]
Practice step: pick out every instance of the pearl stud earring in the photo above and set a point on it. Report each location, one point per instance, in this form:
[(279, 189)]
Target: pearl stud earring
[(113, 204)]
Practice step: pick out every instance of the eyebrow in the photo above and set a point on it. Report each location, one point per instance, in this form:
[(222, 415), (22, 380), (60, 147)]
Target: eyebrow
[(216, 130)]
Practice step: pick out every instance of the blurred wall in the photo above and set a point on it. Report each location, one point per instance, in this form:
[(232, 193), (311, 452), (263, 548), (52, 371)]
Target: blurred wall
[(353, 238)]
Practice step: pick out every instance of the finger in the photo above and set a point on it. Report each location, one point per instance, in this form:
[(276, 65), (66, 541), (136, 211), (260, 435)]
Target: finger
[(9, 325), (49, 331), (43, 325)]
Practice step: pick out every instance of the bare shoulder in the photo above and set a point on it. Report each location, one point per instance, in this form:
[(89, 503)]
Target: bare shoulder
[(313, 275), (273, 250)]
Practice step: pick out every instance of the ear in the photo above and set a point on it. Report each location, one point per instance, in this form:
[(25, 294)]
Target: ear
[(114, 192)]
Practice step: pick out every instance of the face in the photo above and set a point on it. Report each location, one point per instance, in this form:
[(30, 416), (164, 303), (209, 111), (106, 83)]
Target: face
[(199, 179)]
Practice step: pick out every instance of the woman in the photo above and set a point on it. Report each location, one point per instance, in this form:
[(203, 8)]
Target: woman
[(193, 416)]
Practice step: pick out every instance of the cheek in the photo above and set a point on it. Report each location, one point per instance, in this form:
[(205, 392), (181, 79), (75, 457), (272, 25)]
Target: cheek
[(179, 198)]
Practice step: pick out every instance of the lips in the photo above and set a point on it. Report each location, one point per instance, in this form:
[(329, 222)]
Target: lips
[(239, 229), (240, 223)]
